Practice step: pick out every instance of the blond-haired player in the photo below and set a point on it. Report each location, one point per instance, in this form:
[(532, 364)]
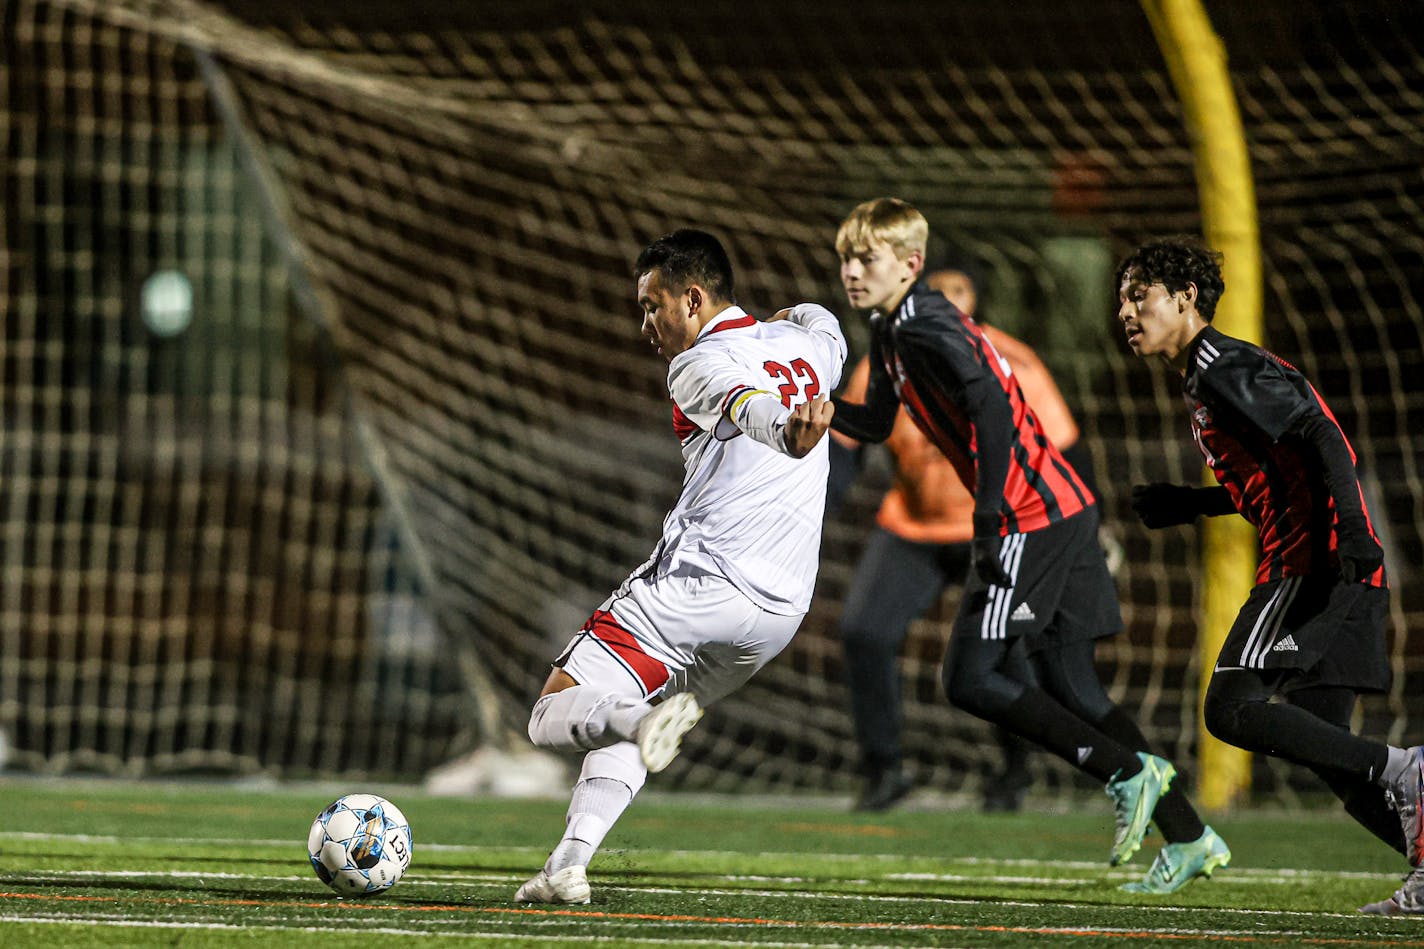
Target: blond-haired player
[(918, 549), (1039, 583)]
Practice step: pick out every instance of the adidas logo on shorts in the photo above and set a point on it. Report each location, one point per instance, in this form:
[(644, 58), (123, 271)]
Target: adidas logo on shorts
[(1023, 614), (1286, 645)]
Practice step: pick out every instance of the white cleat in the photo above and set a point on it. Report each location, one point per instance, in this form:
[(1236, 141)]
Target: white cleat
[(569, 885), (1408, 900), (660, 733)]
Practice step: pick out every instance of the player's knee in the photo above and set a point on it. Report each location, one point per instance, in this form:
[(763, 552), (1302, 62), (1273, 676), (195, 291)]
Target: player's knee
[(1222, 714), (569, 720), (1234, 707), (968, 690), (539, 720)]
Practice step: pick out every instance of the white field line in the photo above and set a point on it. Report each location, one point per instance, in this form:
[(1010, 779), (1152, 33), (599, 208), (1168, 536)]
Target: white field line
[(1100, 874), (504, 881), (514, 927), (1283, 875), (465, 934)]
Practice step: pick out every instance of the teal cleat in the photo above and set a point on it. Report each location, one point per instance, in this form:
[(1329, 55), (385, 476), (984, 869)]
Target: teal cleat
[(1179, 864), (1134, 799)]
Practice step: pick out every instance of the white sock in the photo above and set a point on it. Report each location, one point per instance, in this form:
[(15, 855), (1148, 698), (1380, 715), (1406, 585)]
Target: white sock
[(1399, 759), (596, 805)]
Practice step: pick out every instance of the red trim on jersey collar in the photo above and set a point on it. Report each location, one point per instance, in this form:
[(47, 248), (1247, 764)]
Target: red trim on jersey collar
[(730, 322)]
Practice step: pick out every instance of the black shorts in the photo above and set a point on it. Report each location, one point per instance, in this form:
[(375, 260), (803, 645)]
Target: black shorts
[(1320, 633), (1062, 590)]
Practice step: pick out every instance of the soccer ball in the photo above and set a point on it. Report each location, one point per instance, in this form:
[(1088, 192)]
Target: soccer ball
[(360, 845)]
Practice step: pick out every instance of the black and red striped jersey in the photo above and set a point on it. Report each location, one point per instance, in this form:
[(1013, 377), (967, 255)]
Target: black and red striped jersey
[(1246, 404), (962, 394)]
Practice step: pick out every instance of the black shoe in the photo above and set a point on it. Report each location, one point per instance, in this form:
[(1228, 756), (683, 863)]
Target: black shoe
[(1000, 800), (1004, 793), (883, 791)]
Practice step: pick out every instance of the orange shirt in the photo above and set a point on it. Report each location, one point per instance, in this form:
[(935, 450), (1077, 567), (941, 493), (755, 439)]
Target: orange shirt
[(928, 503)]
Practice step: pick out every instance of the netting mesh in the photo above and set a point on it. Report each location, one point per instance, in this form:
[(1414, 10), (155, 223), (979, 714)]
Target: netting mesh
[(207, 541)]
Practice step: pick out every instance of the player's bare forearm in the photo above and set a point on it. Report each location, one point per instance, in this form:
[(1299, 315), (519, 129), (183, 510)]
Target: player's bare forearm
[(806, 425)]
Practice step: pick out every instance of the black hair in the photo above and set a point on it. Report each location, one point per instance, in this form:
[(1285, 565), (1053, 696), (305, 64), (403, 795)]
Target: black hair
[(688, 256), (954, 259), (1175, 262)]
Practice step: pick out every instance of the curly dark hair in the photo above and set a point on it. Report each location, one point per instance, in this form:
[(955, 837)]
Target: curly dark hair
[(1175, 262), (688, 256)]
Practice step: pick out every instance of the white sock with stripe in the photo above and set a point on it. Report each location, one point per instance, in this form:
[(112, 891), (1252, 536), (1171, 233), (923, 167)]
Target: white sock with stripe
[(611, 777)]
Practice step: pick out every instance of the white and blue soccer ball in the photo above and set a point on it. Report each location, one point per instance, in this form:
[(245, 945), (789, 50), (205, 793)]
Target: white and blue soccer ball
[(360, 845)]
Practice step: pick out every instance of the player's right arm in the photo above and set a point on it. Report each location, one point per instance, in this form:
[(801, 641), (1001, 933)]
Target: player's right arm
[(805, 426), (818, 320), (1161, 504), (1277, 400), (872, 419), (853, 393)]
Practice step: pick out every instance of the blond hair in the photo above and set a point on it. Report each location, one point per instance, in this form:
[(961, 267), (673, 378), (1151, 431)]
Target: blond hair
[(883, 220)]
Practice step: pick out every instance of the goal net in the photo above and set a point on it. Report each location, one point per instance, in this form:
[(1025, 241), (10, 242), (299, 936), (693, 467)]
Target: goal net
[(339, 515)]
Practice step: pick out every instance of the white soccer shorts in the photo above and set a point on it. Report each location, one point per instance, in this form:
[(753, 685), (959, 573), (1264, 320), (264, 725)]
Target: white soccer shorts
[(683, 632)]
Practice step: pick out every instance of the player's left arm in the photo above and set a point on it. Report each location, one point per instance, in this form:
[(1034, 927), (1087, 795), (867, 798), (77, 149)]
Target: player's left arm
[(1360, 555), (716, 392), (988, 408), (950, 357), (1281, 404)]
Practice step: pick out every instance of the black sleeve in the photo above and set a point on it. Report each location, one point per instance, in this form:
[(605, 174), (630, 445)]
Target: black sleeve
[(993, 419), (864, 423), (874, 420), (1259, 388), (845, 469), (946, 353), (1329, 445), (1215, 502)]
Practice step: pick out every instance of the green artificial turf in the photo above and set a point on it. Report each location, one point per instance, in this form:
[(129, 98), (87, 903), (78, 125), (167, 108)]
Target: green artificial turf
[(99, 863)]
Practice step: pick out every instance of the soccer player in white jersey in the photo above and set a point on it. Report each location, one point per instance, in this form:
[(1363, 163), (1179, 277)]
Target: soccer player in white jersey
[(728, 583)]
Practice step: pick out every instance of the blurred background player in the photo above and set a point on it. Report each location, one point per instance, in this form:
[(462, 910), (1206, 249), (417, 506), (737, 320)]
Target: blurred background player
[(1312, 630), (919, 546), (729, 582), (1039, 584)]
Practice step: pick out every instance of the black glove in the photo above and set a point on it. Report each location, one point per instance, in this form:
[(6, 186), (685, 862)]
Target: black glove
[(1359, 555), (1166, 505), (984, 551)]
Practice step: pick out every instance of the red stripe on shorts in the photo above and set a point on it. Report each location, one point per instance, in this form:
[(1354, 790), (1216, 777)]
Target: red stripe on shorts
[(648, 670)]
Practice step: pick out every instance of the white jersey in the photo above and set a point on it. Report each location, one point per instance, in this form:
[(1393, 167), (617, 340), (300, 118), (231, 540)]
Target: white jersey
[(748, 511)]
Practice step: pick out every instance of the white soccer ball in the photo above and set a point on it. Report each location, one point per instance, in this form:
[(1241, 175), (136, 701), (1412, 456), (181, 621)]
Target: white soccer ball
[(360, 845)]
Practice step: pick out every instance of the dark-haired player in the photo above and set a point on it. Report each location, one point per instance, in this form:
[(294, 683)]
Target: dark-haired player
[(1040, 585), (728, 583), (1312, 630)]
